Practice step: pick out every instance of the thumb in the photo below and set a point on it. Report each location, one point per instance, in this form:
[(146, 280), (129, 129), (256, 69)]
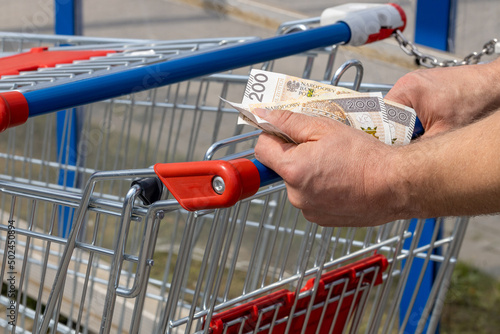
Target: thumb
[(301, 128), (401, 93)]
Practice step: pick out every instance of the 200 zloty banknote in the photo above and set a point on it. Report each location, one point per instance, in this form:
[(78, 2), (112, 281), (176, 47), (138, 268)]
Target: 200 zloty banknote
[(394, 125), (362, 111)]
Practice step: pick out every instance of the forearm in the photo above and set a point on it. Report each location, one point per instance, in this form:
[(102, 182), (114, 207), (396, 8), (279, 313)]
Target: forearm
[(449, 98), (484, 85), (456, 173)]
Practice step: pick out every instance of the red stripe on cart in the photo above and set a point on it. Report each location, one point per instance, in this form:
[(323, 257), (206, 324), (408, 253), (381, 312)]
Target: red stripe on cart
[(41, 57), (336, 298)]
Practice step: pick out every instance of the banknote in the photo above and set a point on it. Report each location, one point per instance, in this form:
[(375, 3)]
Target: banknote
[(264, 86), (363, 111), (401, 122), (251, 119)]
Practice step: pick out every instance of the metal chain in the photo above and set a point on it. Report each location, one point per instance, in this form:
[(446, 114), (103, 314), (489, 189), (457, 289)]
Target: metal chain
[(429, 61)]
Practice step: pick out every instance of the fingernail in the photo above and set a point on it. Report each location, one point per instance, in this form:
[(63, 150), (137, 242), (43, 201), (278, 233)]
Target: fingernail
[(262, 113)]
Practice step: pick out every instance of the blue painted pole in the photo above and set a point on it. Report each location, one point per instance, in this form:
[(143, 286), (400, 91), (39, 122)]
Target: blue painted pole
[(67, 22), (67, 17), (417, 266), (435, 24)]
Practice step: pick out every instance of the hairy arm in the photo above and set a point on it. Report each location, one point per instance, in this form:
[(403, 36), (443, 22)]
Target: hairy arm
[(340, 176), (455, 173), (448, 98)]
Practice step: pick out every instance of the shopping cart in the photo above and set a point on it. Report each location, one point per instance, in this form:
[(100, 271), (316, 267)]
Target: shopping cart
[(136, 261)]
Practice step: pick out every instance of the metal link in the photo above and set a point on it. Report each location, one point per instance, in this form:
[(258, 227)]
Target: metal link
[(429, 61)]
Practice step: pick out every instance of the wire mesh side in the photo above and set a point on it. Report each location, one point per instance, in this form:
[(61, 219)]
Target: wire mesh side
[(236, 255), (37, 250), (200, 264)]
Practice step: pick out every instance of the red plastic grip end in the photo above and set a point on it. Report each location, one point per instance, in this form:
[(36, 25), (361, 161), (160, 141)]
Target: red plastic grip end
[(402, 13), (191, 182), (14, 110), (387, 32)]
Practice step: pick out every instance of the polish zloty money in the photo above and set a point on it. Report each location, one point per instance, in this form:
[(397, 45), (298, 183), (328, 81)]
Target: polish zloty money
[(401, 122), (363, 111), (247, 117), (264, 86)]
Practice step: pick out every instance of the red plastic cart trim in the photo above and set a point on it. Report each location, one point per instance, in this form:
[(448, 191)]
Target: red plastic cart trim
[(350, 271), (352, 275), (387, 32), (40, 58), (355, 274), (14, 110), (250, 313), (191, 182)]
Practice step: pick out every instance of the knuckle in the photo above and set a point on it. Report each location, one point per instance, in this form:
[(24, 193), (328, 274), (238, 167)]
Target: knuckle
[(323, 220), (259, 149), (284, 116), (290, 175), (310, 216), (295, 198)]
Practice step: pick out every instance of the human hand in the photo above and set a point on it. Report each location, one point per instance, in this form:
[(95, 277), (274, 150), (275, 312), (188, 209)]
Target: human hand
[(337, 175), (448, 98)]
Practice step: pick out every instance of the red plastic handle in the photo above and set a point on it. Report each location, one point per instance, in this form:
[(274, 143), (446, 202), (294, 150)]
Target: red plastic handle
[(40, 57), (14, 110), (191, 182)]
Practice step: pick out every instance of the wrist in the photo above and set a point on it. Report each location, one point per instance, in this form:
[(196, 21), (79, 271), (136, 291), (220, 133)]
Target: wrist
[(400, 174), (451, 174), (390, 184)]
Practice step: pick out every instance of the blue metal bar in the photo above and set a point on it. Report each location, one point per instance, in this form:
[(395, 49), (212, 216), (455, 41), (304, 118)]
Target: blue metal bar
[(435, 24), (67, 153), (67, 22), (267, 175), (95, 89), (417, 267), (418, 130)]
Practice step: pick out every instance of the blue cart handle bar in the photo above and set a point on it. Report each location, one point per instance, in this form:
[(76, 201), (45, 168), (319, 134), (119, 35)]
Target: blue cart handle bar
[(358, 26)]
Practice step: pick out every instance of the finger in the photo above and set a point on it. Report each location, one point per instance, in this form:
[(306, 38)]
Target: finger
[(329, 220), (274, 152), (301, 128), (399, 97), (401, 92), (325, 220)]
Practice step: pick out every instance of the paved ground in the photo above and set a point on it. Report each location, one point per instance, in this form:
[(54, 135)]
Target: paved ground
[(170, 19)]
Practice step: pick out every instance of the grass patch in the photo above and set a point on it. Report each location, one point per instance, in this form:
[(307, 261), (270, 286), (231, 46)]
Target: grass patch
[(472, 304)]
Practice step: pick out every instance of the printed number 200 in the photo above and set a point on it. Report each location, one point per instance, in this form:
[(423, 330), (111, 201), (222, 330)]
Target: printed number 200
[(258, 87)]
